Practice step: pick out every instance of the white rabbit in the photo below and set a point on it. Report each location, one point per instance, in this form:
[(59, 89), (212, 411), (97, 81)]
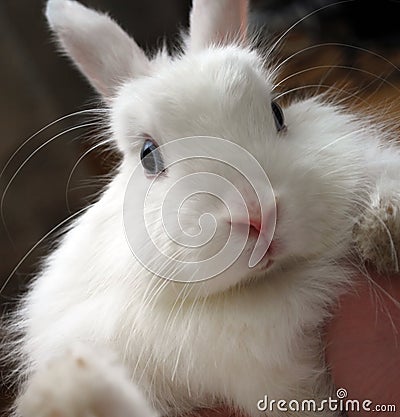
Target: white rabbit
[(184, 341)]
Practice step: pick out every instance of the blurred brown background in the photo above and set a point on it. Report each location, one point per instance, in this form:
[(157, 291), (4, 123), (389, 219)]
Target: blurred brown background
[(38, 86)]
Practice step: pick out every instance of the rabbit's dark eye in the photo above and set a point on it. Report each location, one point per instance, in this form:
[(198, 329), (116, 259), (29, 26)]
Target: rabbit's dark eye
[(278, 116), (152, 160)]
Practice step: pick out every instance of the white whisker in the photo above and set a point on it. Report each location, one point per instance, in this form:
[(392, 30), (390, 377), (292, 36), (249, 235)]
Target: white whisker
[(281, 37), (46, 127), (38, 243), (29, 158), (91, 149)]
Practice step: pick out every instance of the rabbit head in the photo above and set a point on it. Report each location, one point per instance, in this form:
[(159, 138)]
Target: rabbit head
[(222, 185)]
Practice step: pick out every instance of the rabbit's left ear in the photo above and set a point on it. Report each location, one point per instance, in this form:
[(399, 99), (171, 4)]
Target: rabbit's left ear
[(217, 22), (102, 51)]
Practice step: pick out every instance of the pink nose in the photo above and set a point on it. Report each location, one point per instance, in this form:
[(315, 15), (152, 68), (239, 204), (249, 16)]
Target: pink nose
[(255, 224), (260, 225)]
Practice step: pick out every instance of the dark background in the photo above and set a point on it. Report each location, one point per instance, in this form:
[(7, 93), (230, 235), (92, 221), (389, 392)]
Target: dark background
[(38, 86)]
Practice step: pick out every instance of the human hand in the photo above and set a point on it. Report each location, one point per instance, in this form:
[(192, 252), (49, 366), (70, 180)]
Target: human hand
[(363, 343)]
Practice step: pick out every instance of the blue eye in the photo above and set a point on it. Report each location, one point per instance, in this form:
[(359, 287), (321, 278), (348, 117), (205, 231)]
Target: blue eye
[(279, 118), (151, 158)]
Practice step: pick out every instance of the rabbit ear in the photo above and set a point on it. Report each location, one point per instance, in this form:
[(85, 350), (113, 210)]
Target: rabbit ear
[(217, 21), (103, 52)]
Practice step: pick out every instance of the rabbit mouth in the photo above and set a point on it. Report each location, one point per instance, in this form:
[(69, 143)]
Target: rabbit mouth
[(265, 265), (268, 259)]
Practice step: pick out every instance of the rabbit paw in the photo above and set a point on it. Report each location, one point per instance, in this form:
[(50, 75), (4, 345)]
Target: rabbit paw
[(82, 383), (376, 234)]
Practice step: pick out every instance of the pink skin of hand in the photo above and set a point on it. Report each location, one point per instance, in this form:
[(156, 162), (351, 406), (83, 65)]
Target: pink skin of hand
[(363, 343)]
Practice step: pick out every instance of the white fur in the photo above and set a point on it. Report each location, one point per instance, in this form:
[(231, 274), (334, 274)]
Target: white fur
[(246, 333)]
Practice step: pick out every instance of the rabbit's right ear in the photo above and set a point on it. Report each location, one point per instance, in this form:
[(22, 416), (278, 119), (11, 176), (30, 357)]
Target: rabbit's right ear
[(103, 52), (217, 22)]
